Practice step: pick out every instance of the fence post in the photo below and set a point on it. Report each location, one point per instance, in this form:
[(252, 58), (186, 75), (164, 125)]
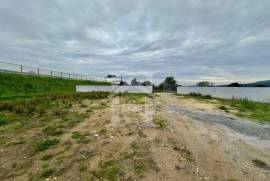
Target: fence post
[(21, 68), (69, 76), (38, 71), (61, 74), (51, 73)]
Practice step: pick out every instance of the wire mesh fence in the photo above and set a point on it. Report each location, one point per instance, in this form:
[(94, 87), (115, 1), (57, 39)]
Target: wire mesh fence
[(22, 69)]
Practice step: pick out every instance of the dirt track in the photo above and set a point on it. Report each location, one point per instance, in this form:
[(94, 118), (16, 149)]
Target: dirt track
[(221, 151), (168, 138)]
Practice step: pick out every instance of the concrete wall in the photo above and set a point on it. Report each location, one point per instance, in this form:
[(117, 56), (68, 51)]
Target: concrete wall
[(115, 89), (259, 94)]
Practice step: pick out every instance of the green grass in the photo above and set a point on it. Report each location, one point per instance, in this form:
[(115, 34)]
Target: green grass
[(47, 173), (199, 96), (14, 86), (55, 104), (45, 144), (134, 98), (47, 157), (81, 138), (249, 109), (108, 170), (160, 123), (51, 131), (244, 108), (260, 164)]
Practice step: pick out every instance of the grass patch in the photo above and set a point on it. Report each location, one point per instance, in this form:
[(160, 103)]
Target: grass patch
[(20, 142), (160, 123), (243, 107), (260, 164), (200, 96), (82, 167), (81, 138), (103, 131), (249, 109), (108, 170), (45, 144), (3, 121), (47, 157), (141, 158), (134, 98), (47, 173), (45, 107), (51, 131), (224, 108), (18, 86)]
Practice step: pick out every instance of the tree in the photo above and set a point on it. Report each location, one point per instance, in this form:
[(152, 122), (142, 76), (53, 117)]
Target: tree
[(170, 81), (234, 84), (205, 84), (146, 83), (169, 84), (135, 82), (123, 83)]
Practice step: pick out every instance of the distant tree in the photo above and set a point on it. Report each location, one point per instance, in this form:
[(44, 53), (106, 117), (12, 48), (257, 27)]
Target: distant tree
[(135, 82), (168, 85), (205, 84), (146, 83), (123, 83), (170, 81), (234, 84)]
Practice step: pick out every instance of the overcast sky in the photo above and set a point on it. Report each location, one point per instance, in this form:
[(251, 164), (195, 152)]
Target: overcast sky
[(192, 40)]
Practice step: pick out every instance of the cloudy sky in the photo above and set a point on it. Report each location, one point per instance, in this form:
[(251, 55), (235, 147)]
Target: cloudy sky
[(192, 40)]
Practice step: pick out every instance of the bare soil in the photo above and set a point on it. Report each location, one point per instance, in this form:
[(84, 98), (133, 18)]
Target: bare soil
[(139, 140)]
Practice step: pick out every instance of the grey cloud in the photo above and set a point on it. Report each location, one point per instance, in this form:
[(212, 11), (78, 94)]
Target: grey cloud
[(190, 39)]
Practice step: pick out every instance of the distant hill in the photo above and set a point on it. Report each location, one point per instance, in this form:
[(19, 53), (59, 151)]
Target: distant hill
[(265, 83)]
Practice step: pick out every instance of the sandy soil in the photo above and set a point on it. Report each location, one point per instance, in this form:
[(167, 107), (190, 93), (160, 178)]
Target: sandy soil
[(127, 138)]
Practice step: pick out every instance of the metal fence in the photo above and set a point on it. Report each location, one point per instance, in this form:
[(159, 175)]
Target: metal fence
[(22, 69)]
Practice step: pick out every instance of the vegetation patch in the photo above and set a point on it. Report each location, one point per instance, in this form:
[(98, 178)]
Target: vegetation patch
[(185, 153), (141, 158), (82, 167), (45, 144), (108, 170), (47, 173), (242, 107), (200, 96), (81, 138), (51, 131), (16, 86), (134, 98), (160, 123), (224, 108), (260, 164), (47, 157)]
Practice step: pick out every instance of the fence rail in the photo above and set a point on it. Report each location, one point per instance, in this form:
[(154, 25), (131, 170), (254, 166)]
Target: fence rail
[(22, 69)]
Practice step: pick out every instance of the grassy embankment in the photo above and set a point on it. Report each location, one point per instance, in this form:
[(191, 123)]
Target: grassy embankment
[(242, 108), (13, 86)]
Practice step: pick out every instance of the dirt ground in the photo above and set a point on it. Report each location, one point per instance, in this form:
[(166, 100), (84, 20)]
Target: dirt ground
[(141, 140)]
